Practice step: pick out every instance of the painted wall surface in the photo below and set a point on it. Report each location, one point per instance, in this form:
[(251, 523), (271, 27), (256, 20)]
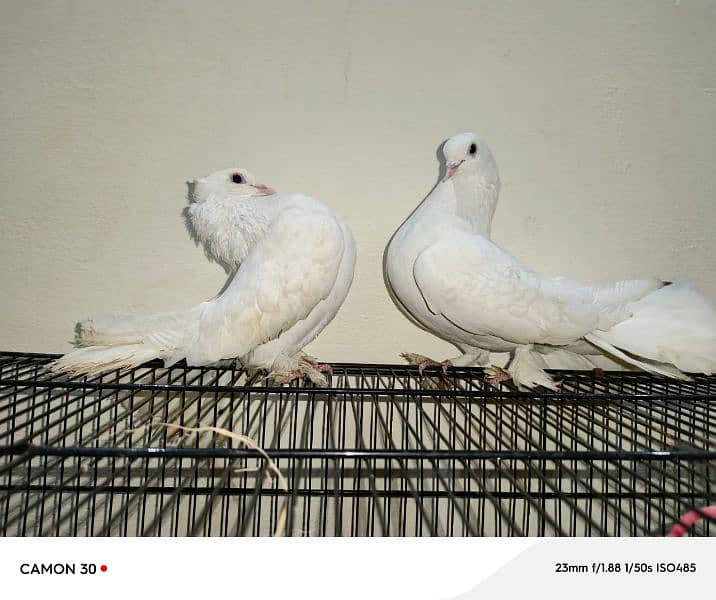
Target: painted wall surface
[(602, 117)]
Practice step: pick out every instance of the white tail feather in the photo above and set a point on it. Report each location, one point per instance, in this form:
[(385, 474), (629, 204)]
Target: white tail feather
[(621, 292), (671, 330), (646, 365), (564, 359), (112, 331), (93, 360), (108, 343)]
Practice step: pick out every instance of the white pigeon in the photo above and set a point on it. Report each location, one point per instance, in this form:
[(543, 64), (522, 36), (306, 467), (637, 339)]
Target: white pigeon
[(292, 260), (446, 274)]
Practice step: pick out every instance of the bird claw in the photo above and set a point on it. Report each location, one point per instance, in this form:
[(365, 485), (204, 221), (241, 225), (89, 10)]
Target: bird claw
[(429, 362), (599, 374), (282, 377), (423, 362), (308, 368), (320, 367), (496, 376)]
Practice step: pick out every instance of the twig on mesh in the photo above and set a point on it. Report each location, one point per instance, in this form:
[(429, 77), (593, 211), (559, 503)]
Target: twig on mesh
[(247, 441)]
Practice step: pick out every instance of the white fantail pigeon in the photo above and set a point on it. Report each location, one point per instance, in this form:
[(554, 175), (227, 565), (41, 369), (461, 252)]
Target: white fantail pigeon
[(292, 261)]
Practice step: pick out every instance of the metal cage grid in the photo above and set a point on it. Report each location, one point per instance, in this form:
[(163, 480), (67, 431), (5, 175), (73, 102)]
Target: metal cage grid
[(376, 453)]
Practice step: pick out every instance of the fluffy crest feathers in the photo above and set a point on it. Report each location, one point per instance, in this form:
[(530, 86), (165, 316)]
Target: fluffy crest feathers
[(228, 214)]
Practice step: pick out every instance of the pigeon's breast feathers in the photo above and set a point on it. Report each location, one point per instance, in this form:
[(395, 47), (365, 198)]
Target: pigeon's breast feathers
[(228, 214)]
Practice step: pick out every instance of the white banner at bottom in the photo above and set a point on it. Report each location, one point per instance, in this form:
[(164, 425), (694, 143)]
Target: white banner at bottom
[(391, 568)]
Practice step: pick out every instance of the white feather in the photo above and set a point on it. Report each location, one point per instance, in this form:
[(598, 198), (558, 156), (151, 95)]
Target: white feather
[(446, 273), (292, 261), (674, 325)]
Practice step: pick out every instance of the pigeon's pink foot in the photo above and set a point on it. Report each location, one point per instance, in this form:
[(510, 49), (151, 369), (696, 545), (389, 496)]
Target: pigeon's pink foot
[(320, 367), (496, 376), (441, 382), (306, 368), (429, 362), (423, 362)]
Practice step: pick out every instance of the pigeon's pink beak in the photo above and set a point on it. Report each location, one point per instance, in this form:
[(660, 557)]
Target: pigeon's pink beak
[(451, 168), (264, 190)]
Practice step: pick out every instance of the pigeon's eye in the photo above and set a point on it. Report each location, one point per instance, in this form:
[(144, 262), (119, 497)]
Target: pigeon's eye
[(237, 178), (473, 149)]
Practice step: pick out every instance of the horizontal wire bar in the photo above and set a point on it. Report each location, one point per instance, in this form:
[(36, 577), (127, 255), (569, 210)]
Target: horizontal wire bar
[(316, 492), (482, 394), (556, 455)]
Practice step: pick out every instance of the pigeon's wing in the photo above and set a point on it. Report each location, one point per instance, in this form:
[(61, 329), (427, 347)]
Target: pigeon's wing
[(290, 270), (481, 289)]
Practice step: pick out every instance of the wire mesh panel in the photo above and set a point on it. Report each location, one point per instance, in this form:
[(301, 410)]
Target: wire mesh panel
[(375, 453)]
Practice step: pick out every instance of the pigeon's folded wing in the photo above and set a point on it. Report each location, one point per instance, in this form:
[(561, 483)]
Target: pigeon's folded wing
[(289, 271), (483, 290)]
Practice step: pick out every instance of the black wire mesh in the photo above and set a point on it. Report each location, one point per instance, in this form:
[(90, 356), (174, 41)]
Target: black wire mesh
[(374, 454)]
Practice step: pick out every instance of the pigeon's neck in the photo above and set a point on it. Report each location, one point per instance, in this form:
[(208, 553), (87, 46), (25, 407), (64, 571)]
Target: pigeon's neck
[(228, 228), (475, 201)]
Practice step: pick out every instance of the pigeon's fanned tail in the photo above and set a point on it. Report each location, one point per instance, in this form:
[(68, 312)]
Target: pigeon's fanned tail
[(649, 366), (671, 331), (93, 360), (109, 343)]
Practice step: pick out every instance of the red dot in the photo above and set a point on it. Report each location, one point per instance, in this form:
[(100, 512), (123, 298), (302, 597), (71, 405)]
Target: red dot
[(103, 568)]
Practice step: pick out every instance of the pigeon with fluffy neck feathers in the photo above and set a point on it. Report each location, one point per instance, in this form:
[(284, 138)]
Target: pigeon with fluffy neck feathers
[(226, 215), (291, 259)]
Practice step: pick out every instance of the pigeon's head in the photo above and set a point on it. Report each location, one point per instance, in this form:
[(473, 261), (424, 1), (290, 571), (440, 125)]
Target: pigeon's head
[(468, 154), (232, 183), (225, 214)]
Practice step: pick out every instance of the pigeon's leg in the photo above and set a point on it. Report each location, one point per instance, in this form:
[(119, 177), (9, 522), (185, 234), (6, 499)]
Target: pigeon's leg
[(320, 367), (281, 376), (496, 376), (470, 357), (440, 382), (423, 362), (599, 374), (300, 367), (527, 369), (312, 375)]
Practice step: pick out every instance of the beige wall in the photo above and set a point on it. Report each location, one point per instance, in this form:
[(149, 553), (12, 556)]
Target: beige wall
[(602, 117)]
